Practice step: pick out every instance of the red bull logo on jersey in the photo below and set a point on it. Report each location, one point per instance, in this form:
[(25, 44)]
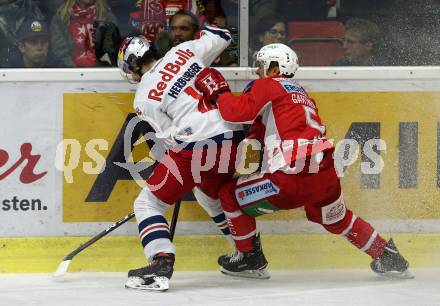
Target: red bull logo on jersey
[(256, 192), (168, 72)]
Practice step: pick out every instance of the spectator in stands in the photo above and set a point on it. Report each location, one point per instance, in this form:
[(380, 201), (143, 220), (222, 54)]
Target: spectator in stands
[(184, 26), (215, 14), (33, 46), (48, 8), (269, 30), (123, 10), (231, 8), (291, 10), (78, 19), (12, 15), (360, 41)]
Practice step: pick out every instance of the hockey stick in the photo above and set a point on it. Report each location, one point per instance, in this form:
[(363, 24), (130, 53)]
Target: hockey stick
[(174, 219), (64, 265)]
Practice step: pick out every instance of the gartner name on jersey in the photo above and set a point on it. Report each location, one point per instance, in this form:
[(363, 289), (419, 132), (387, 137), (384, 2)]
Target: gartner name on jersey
[(169, 71), (299, 95)]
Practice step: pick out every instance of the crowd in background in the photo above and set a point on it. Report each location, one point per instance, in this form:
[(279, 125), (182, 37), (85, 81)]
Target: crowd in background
[(87, 33)]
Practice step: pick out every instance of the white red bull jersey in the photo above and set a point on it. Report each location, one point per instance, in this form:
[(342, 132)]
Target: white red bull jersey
[(166, 96)]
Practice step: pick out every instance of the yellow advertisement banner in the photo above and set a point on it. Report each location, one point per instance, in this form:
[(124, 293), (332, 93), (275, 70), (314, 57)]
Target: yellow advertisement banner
[(406, 188)]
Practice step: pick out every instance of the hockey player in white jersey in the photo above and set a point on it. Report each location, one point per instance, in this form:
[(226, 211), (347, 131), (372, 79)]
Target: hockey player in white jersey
[(204, 150)]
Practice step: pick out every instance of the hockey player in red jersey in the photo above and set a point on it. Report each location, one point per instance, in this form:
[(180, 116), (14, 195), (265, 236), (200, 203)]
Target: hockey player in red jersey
[(298, 167), (202, 146)]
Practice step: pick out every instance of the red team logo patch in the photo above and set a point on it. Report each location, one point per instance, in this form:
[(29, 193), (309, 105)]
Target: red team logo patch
[(241, 195), (334, 212)]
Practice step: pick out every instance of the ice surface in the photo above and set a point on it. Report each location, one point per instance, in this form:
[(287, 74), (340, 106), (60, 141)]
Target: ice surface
[(318, 287)]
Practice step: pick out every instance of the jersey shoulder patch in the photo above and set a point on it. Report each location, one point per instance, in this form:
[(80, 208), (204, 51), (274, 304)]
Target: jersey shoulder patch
[(292, 87)]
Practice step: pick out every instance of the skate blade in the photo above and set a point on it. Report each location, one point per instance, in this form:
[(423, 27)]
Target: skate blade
[(396, 275), (257, 274), (160, 284)]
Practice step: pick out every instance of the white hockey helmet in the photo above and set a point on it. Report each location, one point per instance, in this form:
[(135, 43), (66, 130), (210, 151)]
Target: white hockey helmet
[(132, 49), (285, 57)]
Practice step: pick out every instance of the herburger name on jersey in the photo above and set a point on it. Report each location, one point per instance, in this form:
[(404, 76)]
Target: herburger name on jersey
[(183, 80)]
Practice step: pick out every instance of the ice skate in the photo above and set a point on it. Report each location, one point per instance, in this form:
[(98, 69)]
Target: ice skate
[(155, 276), (249, 265), (391, 264)]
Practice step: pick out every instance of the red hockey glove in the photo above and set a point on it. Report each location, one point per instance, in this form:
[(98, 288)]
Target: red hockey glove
[(212, 84)]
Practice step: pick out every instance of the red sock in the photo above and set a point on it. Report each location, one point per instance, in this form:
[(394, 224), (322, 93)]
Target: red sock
[(364, 236), (243, 230)]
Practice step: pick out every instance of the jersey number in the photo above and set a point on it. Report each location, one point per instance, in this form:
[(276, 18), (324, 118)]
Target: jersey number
[(312, 122), (203, 106)]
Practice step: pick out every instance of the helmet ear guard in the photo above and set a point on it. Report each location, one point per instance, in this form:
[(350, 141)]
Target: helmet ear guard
[(283, 55), (131, 52), (133, 64)]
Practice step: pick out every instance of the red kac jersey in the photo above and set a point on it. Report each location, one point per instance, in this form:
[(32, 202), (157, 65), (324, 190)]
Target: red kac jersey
[(282, 111)]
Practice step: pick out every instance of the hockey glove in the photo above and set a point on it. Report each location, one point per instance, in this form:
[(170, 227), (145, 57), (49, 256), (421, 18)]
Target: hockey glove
[(211, 83)]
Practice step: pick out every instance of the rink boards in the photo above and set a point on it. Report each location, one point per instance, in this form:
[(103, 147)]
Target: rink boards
[(50, 192), (200, 252)]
